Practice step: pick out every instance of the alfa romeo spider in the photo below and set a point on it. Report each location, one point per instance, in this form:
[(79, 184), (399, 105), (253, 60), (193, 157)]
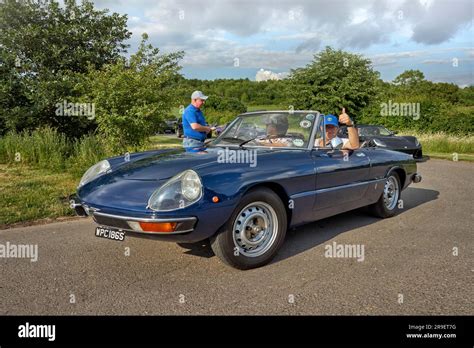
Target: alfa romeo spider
[(245, 191)]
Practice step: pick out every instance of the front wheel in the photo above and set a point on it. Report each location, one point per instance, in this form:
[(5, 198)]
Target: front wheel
[(254, 233), (387, 205)]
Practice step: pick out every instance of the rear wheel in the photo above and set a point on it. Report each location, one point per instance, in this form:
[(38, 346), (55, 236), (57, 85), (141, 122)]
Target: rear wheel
[(387, 205), (255, 231)]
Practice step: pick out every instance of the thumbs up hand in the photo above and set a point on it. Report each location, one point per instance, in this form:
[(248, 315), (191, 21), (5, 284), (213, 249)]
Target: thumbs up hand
[(344, 118)]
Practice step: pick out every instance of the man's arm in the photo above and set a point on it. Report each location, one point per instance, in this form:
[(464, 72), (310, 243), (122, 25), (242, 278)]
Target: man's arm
[(200, 128), (353, 142)]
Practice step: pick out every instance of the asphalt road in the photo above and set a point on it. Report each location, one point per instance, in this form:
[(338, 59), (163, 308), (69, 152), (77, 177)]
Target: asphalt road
[(409, 265)]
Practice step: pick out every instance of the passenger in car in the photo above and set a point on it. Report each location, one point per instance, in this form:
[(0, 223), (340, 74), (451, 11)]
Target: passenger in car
[(332, 127)]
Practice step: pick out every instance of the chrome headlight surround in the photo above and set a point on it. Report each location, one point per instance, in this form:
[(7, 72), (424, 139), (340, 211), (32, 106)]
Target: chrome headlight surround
[(179, 192), (95, 171)]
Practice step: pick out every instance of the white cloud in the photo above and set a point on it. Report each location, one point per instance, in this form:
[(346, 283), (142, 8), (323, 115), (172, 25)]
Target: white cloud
[(265, 75), (394, 57), (437, 21), (354, 24), (284, 34)]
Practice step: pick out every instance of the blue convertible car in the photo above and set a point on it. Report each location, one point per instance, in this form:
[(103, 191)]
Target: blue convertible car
[(261, 176)]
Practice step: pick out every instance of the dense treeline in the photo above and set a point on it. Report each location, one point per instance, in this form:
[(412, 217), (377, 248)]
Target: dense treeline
[(65, 67)]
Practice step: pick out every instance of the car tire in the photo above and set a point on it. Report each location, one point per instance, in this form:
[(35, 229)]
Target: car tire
[(387, 205), (255, 231)]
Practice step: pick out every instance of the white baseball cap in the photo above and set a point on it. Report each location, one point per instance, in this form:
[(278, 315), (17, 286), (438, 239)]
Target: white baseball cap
[(198, 95)]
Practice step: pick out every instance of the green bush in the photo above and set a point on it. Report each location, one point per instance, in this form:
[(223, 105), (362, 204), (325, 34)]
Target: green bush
[(87, 151), (219, 117), (45, 48), (435, 116), (221, 110), (133, 97), (44, 147)]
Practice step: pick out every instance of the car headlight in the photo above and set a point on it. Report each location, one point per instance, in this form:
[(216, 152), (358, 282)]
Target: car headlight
[(179, 192), (379, 142), (93, 172)]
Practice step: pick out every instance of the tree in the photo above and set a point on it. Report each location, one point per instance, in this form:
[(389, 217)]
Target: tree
[(221, 109), (244, 98), (44, 50), (133, 97), (334, 79), (409, 78)]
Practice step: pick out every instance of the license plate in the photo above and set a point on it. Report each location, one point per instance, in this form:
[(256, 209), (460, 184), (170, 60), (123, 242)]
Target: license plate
[(110, 233)]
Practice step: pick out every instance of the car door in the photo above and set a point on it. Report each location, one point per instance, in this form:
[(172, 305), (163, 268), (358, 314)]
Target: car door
[(342, 178)]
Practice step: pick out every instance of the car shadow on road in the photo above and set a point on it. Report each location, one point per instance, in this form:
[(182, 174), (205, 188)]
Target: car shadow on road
[(202, 249), (313, 234), (318, 232)]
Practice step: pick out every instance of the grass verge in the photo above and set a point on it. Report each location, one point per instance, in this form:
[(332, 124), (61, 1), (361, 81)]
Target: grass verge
[(452, 157), (28, 194), (35, 187), (445, 146), (165, 141)]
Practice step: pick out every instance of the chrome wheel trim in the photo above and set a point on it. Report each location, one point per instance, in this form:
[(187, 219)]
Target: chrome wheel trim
[(391, 193), (255, 229)]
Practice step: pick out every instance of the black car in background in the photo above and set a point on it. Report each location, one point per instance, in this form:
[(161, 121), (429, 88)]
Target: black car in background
[(166, 127), (379, 136)]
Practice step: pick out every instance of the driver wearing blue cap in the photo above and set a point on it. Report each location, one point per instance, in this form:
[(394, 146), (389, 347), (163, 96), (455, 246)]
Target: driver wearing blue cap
[(332, 127)]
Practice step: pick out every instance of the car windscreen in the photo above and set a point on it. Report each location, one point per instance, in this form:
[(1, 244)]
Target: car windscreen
[(288, 129), (373, 131)]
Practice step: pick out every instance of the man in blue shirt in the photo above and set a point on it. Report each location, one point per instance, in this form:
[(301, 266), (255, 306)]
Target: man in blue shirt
[(195, 127)]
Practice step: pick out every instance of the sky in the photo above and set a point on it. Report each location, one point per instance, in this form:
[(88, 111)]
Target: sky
[(239, 38)]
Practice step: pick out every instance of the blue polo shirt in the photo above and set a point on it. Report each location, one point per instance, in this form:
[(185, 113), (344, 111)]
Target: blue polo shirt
[(193, 115)]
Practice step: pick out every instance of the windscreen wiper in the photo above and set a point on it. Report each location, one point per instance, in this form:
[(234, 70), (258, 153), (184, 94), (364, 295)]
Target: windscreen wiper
[(260, 137), (229, 139)]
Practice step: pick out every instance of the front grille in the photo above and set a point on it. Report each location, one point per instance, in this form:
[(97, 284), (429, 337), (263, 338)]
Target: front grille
[(111, 222)]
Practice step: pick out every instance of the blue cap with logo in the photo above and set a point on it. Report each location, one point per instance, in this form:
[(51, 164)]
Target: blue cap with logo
[(332, 120)]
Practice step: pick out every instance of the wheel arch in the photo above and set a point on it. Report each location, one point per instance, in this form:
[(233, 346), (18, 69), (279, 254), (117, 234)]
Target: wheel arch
[(280, 192), (401, 175)]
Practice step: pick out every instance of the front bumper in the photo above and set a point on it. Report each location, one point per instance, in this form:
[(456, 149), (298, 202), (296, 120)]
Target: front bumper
[(195, 225), (134, 224), (129, 223)]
